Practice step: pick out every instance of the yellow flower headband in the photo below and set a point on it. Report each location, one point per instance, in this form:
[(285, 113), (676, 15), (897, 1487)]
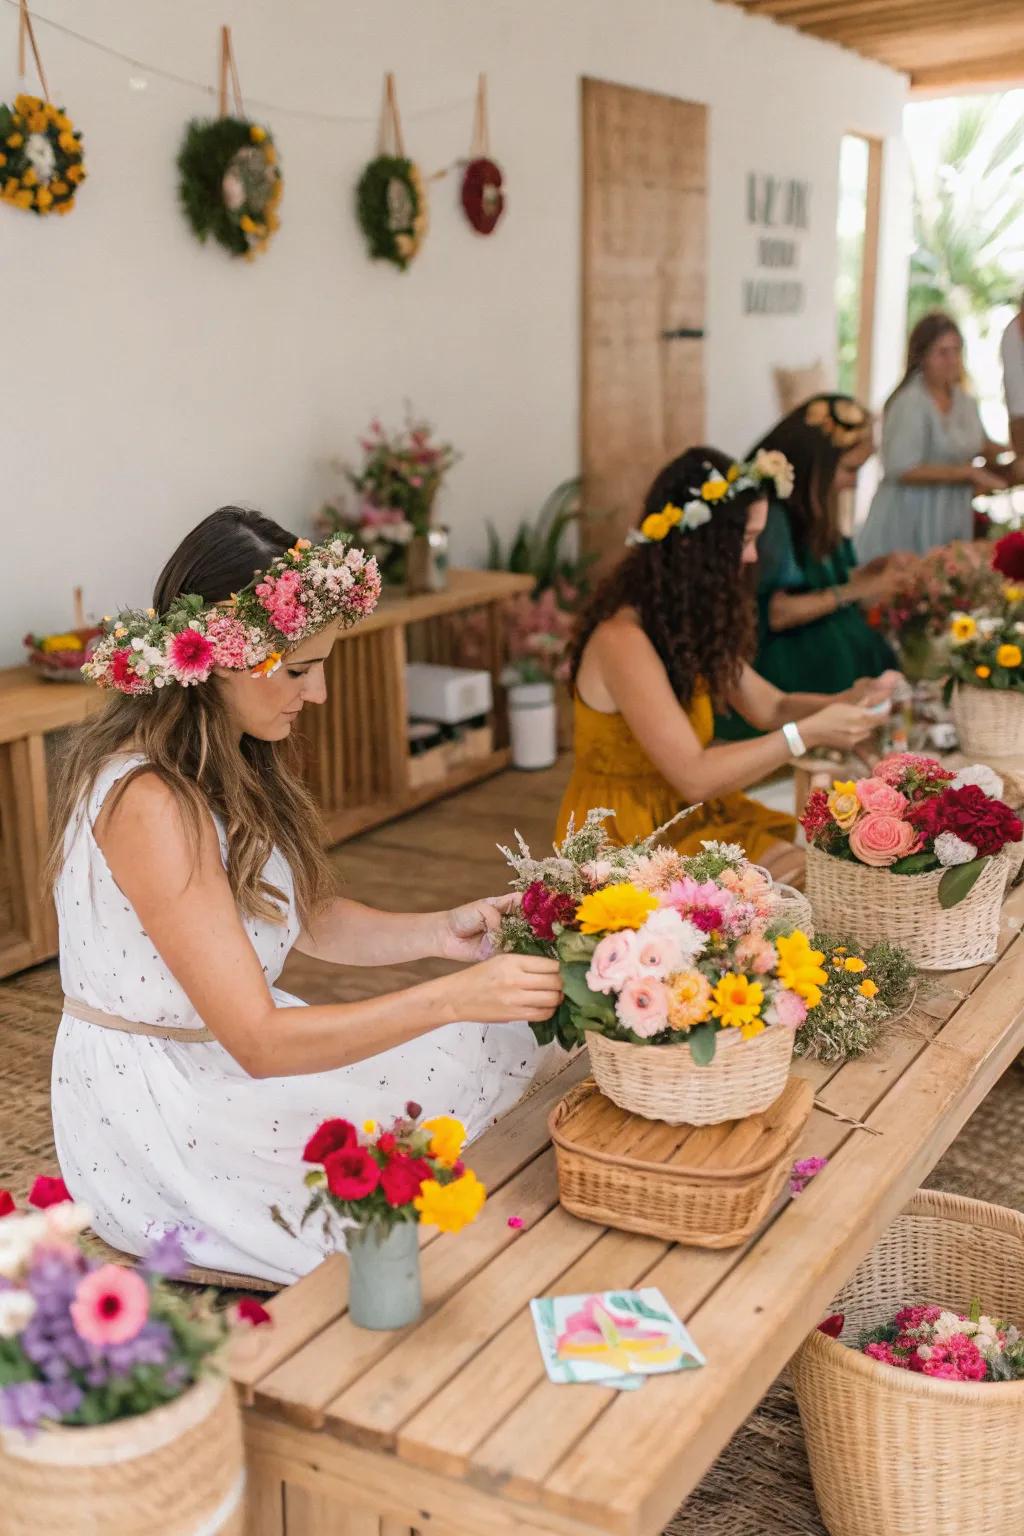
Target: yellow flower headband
[(765, 469)]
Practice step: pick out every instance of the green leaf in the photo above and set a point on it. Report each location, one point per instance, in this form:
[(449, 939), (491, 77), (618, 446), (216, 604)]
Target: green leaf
[(638, 1308), (575, 948), (703, 1039), (947, 691), (914, 864), (958, 882), (591, 1005), (567, 1030)]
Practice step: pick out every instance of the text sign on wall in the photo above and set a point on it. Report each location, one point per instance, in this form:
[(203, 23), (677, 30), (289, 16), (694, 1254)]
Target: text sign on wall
[(779, 208)]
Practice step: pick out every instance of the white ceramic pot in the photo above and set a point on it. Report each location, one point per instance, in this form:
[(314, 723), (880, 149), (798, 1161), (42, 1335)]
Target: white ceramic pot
[(533, 725)]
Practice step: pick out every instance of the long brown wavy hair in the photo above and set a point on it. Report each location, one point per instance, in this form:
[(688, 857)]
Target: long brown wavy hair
[(814, 438), (928, 330), (689, 590), (187, 741)]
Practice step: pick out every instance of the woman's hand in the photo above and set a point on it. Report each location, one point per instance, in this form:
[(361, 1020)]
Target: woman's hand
[(871, 690), (838, 725), (466, 931), (984, 481), (506, 989)]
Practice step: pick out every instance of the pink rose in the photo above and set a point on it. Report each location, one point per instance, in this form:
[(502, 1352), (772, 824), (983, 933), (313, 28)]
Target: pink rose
[(789, 1008), (613, 963), (877, 795), (642, 1006), (879, 839)]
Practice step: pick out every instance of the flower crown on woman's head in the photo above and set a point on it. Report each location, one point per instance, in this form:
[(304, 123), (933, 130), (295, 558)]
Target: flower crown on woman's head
[(841, 420), (302, 591), (716, 490)]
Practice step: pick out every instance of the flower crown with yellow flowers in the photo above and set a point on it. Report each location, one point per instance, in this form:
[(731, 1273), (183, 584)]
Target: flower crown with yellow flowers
[(716, 490), (302, 591)]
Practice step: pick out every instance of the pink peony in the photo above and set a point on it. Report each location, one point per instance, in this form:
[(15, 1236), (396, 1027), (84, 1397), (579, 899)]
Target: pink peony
[(877, 795), (642, 1006), (190, 656), (110, 1306), (614, 962), (879, 839), (790, 1009)]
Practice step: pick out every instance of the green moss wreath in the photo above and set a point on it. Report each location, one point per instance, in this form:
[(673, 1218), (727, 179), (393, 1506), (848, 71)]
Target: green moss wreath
[(391, 204), (230, 183)]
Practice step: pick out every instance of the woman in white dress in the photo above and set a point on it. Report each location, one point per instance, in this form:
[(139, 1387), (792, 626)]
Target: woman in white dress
[(932, 436), (187, 865)]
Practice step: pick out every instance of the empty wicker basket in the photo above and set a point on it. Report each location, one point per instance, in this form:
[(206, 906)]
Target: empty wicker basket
[(989, 722), (663, 1082), (874, 904), (895, 1453)]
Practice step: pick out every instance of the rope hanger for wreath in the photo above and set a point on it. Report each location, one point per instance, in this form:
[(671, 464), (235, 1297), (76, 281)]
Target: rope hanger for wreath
[(41, 165), (231, 183), (482, 195), (391, 200)]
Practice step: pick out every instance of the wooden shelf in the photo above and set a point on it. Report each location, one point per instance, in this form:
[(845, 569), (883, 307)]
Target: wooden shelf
[(356, 745)]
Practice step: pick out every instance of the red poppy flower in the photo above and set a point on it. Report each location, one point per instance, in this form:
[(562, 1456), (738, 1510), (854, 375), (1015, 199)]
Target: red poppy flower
[(402, 1179), (7, 1204), (352, 1174), (332, 1136), (47, 1191), (249, 1310)]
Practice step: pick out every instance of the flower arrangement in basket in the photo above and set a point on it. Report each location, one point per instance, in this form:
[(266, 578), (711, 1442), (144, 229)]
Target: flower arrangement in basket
[(381, 1186), (117, 1356), (912, 818), (985, 682), (396, 489), (663, 959), (952, 579), (866, 987)]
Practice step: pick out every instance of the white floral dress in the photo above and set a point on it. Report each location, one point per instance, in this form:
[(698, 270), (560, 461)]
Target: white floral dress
[(153, 1133)]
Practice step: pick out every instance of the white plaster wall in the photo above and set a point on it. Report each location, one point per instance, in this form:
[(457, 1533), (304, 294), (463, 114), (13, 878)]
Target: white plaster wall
[(146, 379)]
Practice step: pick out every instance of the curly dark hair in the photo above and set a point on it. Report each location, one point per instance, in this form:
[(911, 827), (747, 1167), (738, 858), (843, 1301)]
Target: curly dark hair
[(694, 605), (814, 438)]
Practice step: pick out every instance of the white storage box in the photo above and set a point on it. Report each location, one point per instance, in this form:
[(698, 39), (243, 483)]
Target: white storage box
[(447, 694)]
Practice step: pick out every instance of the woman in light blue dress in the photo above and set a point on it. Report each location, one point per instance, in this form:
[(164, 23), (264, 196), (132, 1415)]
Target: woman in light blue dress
[(931, 437)]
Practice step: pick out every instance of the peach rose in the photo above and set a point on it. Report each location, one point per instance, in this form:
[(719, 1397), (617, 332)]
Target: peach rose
[(877, 795), (879, 839)]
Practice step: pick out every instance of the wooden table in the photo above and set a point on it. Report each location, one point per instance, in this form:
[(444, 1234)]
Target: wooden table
[(357, 752), (452, 1425)]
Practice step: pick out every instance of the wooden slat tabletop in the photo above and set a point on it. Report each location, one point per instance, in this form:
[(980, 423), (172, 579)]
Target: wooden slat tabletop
[(461, 1401)]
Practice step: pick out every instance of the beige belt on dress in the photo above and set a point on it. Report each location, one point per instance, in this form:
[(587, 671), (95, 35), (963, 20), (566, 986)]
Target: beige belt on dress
[(89, 1015)]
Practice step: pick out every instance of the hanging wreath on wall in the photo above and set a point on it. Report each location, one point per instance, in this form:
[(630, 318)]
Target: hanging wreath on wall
[(41, 165), (391, 200), (231, 182), (483, 199)]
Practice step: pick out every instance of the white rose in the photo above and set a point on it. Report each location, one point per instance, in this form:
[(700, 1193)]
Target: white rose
[(950, 850), (986, 779), (695, 515), (16, 1312)]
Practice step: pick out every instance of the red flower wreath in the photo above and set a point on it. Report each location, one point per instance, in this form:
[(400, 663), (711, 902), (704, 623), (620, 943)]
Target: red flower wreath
[(482, 195)]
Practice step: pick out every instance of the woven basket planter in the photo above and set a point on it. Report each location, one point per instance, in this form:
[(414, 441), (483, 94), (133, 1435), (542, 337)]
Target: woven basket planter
[(895, 1453), (792, 908), (663, 1082), (670, 1186), (177, 1470), (989, 722), (904, 909)]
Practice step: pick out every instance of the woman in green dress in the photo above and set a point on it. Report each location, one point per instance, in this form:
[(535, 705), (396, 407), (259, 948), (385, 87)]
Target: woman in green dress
[(812, 596)]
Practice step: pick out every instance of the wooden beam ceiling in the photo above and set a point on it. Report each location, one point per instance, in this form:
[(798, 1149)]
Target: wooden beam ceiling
[(941, 44)]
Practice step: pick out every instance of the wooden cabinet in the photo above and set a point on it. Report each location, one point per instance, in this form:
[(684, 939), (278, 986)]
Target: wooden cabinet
[(357, 754)]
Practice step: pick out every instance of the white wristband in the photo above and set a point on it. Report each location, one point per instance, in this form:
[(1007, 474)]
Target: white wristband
[(794, 741)]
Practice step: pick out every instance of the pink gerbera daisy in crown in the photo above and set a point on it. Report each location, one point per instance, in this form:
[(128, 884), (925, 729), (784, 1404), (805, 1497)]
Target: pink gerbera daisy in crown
[(301, 592)]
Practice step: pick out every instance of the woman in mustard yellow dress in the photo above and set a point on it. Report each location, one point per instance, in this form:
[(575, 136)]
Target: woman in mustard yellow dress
[(664, 642)]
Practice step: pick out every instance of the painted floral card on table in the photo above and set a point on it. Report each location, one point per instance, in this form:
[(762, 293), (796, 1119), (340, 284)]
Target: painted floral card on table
[(613, 1337)]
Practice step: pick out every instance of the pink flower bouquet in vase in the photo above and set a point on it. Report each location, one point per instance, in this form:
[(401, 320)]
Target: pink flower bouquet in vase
[(114, 1405), (913, 854), (674, 975)]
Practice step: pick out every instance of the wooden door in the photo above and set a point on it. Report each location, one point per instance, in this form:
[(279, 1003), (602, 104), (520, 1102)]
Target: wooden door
[(644, 217)]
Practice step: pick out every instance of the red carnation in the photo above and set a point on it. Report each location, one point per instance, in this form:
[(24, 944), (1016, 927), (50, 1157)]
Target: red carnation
[(190, 655), (122, 675), (543, 909), (351, 1174), (1008, 557), (972, 816), (47, 1192), (387, 1143), (833, 1325), (249, 1310), (817, 815), (7, 1204), (402, 1179), (332, 1136)]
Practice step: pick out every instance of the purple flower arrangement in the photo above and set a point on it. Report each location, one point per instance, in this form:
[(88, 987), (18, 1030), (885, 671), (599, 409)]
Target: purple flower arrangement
[(84, 1342)]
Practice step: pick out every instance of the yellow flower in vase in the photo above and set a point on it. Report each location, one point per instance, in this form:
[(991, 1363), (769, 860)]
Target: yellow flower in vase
[(962, 629), (450, 1207), (737, 1004), (1008, 656), (615, 908), (447, 1139)]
